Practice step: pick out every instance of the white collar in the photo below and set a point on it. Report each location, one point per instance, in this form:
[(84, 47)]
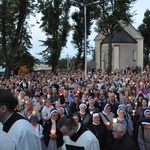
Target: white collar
[(95, 123), (79, 126), (8, 117), (120, 119), (104, 113)]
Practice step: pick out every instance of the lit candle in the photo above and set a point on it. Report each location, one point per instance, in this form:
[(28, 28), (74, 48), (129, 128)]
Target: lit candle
[(107, 124), (91, 112), (53, 132), (43, 101), (114, 120), (33, 112), (133, 112), (135, 105), (29, 117), (48, 96)]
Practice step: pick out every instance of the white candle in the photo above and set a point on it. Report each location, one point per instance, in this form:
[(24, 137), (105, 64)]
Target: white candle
[(29, 117), (114, 120), (91, 112), (33, 112), (107, 124), (53, 132), (133, 112)]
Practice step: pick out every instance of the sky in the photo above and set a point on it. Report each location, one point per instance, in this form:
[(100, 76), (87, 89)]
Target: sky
[(140, 7)]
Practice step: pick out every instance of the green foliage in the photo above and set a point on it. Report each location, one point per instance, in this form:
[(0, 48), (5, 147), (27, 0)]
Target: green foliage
[(112, 12), (78, 28), (56, 26), (144, 29), (62, 64), (14, 31)]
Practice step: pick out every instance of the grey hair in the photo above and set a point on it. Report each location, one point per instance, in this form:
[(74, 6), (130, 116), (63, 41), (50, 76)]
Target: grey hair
[(120, 127)]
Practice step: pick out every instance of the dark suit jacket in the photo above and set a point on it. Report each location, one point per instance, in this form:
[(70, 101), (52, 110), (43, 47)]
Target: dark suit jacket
[(126, 143)]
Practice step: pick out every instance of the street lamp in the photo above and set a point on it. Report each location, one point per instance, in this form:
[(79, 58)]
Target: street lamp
[(85, 30)]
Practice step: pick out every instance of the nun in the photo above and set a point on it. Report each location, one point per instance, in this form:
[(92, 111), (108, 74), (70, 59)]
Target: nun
[(84, 115), (124, 120), (98, 128), (107, 116), (53, 138), (144, 134)]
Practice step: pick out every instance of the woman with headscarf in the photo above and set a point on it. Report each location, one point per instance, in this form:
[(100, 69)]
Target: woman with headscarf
[(107, 115), (84, 115), (99, 130), (76, 117), (91, 107), (144, 134), (38, 129), (124, 120), (53, 138)]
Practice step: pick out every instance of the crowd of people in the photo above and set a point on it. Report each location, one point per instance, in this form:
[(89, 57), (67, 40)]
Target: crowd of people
[(65, 111)]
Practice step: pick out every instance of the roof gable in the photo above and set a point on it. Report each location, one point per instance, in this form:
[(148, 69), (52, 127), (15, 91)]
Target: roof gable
[(120, 37), (128, 28)]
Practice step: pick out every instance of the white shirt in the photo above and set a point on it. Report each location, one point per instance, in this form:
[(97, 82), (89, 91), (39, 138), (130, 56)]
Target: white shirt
[(25, 136), (6, 141), (86, 140)]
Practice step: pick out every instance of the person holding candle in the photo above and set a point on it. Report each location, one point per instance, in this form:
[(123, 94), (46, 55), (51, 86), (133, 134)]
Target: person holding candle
[(36, 103), (107, 115), (53, 138), (30, 110), (91, 107), (16, 125), (138, 102), (45, 113)]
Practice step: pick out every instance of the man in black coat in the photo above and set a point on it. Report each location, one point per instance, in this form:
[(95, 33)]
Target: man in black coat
[(122, 140)]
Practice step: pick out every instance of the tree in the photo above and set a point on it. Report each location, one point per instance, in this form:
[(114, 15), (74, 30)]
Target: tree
[(62, 63), (78, 28), (14, 31), (144, 29), (112, 12), (55, 23)]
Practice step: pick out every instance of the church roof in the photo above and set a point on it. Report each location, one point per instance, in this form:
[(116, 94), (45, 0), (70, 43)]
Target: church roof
[(120, 37)]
